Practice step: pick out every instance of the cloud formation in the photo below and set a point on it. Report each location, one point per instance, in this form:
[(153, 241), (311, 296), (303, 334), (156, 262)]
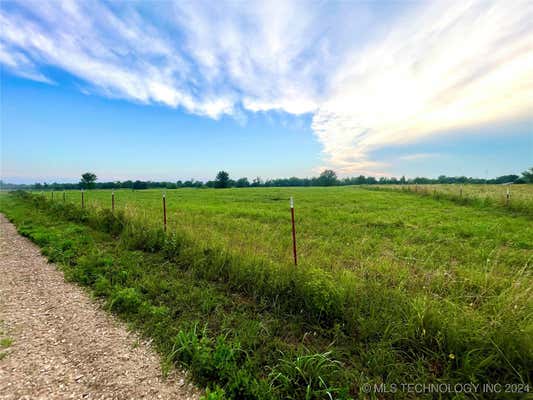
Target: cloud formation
[(444, 67), (370, 80)]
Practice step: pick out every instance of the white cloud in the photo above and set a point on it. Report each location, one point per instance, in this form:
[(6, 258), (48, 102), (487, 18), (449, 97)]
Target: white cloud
[(441, 66), (419, 156), (444, 67)]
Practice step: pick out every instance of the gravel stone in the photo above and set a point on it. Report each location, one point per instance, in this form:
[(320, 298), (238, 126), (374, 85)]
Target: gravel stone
[(64, 345)]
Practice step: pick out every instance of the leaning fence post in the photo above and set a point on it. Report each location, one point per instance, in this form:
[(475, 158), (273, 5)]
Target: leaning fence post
[(82, 199), (113, 201), (164, 213), (293, 234)]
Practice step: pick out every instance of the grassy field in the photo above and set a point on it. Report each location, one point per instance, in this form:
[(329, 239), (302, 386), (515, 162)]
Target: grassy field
[(341, 227), (391, 286), (514, 197)]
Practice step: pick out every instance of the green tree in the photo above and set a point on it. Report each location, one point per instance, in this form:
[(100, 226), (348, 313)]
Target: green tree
[(87, 180), (328, 177), (222, 180), (527, 176), (256, 182), (242, 182)]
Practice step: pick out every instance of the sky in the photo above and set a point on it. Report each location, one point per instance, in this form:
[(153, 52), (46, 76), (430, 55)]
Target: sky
[(180, 90)]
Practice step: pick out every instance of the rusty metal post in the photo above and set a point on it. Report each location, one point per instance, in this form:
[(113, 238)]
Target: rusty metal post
[(293, 234), (507, 197), (164, 213)]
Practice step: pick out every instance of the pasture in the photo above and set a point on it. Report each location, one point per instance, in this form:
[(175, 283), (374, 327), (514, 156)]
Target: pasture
[(393, 285), (345, 228)]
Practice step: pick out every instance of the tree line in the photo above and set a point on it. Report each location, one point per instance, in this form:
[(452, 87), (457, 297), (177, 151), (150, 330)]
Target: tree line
[(222, 180)]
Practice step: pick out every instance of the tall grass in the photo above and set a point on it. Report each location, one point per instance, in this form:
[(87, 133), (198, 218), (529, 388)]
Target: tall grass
[(517, 198), (486, 337)]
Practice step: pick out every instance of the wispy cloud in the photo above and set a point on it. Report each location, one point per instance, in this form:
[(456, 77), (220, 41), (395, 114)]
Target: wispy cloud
[(419, 156), (441, 66)]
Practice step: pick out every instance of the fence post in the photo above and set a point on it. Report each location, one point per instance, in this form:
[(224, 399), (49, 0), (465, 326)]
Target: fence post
[(461, 191), (52, 195), (113, 201), (164, 213), (63, 196), (293, 234), (82, 199), (507, 197)]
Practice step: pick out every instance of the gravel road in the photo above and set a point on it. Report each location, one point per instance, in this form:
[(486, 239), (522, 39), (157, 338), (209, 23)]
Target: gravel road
[(57, 343)]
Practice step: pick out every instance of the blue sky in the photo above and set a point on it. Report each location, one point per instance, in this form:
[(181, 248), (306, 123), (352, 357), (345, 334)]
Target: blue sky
[(180, 90)]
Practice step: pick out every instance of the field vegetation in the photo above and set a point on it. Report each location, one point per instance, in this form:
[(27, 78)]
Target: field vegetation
[(393, 286), (512, 197)]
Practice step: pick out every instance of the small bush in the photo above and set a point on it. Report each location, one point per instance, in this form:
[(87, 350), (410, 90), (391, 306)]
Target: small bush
[(110, 222), (126, 300), (102, 287)]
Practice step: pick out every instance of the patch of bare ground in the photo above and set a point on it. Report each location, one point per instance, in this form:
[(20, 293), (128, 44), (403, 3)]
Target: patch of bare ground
[(59, 344)]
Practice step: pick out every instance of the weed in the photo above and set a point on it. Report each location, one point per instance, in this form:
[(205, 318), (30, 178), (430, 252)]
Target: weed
[(305, 377)]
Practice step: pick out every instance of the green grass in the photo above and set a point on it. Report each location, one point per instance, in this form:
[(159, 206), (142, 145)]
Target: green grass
[(391, 288), (5, 342), (518, 198), (337, 228)]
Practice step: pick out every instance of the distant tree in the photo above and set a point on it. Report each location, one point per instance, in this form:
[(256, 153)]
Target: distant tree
[(360, 180), (127, 185), (257, 182), (442, 179), (87, 180), (527, 176), (140, 185), (242, 182), (328, 177), (506, 178), (222, 180)]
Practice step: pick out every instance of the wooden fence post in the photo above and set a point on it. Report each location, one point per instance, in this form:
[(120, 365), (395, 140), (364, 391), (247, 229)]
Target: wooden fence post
[(82, 199), (113, 201)]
